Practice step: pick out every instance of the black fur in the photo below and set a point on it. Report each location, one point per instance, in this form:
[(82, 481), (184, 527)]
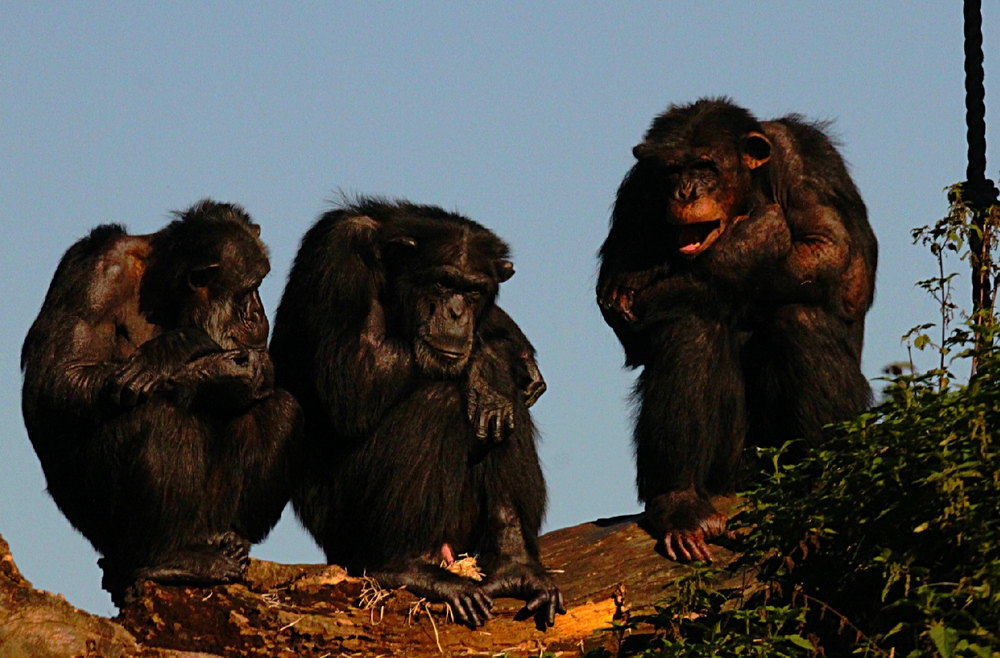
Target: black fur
[(756, 339), (148, 398), (394, 468)]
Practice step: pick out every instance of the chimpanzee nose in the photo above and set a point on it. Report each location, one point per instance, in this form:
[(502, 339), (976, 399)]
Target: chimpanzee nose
[(685, 191), (456, 306)]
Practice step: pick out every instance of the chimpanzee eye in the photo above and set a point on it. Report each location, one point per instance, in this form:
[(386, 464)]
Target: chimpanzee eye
[(440, 288)]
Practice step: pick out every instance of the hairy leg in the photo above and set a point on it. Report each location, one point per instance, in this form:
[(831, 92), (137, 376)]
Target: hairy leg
[(804, 372), (168, 518), (690, 430)]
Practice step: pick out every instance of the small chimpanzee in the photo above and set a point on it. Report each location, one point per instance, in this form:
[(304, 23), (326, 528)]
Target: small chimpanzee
[(415, 387), (738, 271), (148, 396)]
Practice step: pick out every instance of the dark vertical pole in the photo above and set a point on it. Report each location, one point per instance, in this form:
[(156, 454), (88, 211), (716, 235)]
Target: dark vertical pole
[(977, 188), (975, 92), (975, 173)]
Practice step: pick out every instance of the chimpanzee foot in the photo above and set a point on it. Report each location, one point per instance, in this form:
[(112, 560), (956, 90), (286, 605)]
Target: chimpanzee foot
[(220, 559), (684, 520)]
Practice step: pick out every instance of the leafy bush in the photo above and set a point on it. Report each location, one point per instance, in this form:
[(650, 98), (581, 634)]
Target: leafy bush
[(885, 542)]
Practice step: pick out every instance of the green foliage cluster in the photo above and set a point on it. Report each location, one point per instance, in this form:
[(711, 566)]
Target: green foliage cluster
[(886, 542)]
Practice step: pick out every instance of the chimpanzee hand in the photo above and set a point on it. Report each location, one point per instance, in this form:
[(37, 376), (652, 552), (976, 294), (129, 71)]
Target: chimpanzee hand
[(491, 413), (231, 378), (469, 602), (530, 583), (152, 364), (536, 383), (616, 296)]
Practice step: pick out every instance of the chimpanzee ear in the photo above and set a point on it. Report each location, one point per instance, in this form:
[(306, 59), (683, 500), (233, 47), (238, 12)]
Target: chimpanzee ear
[(200, 278), (640, 151), (756, 150), (404, 241), (255, 229), (505, 270)]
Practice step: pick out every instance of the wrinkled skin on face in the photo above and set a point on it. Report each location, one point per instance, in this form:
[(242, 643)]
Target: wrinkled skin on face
[(704, 187), (222, 297), (444, 298), (449, 308)]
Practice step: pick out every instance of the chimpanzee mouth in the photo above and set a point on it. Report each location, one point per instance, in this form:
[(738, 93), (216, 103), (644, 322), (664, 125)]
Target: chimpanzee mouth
[(448, 351), (692, 239), (449, 354)]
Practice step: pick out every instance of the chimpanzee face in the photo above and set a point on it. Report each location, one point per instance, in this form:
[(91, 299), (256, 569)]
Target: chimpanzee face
[(703, 186), (224, 298), (443, 288), (448, 309)]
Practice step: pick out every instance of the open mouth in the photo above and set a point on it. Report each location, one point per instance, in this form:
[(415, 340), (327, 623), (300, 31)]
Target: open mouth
[(692, 239)]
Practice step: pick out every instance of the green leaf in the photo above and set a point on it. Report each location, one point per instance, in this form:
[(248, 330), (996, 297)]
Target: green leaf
[(800, 641), (943, 638)]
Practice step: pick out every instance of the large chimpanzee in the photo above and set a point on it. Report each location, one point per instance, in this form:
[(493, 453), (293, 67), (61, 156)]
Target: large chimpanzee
[(737, 271), (149, 399), (416, 387)]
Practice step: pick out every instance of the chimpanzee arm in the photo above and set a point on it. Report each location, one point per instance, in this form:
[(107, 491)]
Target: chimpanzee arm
[(89, 325), (501, 332), (361, 368), (501, 368), (811, 182), (752, 245), (513, 571), (820, 254), (164, 358)]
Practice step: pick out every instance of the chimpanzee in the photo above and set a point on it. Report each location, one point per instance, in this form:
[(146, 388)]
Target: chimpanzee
[(737, 271), (415, 386), (149, 398)]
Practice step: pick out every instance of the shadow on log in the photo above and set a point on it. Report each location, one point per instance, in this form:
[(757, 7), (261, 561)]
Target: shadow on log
[(315, 610)]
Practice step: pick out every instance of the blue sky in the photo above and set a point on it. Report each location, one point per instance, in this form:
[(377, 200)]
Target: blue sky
[(521, 115)]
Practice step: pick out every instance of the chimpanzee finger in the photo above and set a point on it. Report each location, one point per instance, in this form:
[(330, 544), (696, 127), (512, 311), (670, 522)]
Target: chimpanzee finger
[(455, 603), (483, 428), (668, 546), (472, 404), (682, 547), (483, 604), (470, 610), (509, 417), (539, 599), (697, 547), (501, 423)]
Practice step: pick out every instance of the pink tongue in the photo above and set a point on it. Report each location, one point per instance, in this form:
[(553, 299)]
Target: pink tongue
[(690, 238)]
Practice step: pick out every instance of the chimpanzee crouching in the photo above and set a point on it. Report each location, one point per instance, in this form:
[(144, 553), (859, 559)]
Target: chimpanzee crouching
[(149, 398), (418, 444), (737, 272)]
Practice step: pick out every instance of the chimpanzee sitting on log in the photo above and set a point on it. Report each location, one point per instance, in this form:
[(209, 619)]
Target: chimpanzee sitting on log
[(418, 445), (738, 271), (148, 396)]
